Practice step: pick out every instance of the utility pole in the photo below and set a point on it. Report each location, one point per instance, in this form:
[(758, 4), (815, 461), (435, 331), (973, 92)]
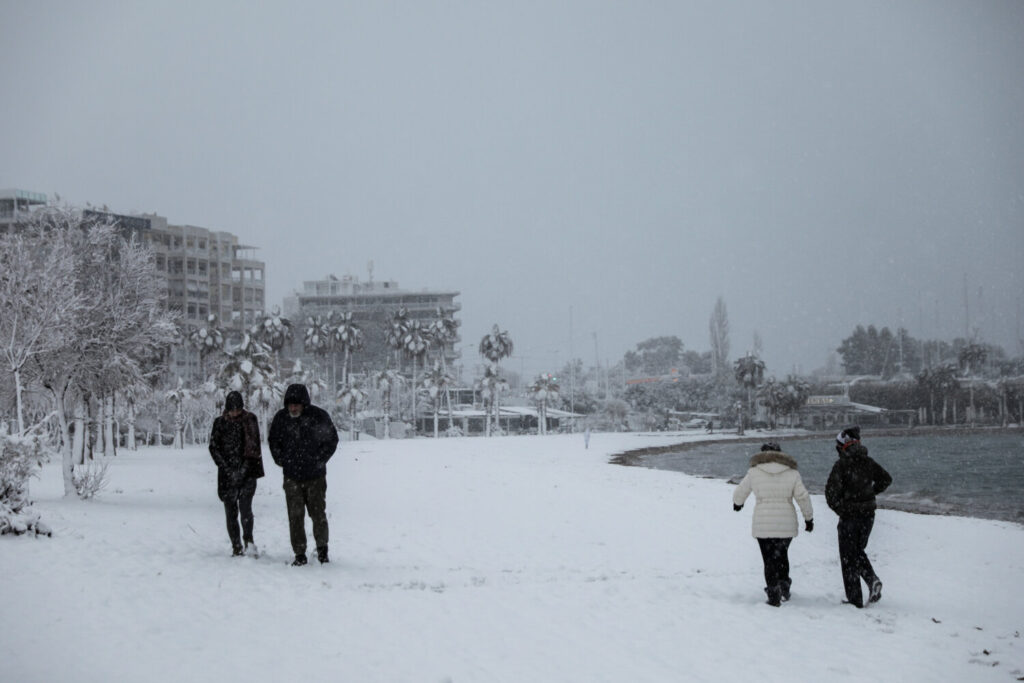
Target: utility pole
[(572, 377)]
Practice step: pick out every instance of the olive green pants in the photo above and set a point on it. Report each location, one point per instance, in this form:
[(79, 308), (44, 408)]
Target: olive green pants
[(301, 496)]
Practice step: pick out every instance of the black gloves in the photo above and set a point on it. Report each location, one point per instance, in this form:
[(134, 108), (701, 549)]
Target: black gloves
[(808, 525), (736, 507)]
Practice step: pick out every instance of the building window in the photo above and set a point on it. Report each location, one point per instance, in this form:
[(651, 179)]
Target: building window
[(191, 266), (202, 243), (202, 267), (191, 310)]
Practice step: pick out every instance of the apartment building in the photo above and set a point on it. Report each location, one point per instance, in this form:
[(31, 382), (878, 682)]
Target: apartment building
[(372, 304)]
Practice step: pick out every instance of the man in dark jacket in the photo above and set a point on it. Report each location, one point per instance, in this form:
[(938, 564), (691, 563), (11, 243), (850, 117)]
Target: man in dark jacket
[(235, 447), (302, 439), (852, 485)]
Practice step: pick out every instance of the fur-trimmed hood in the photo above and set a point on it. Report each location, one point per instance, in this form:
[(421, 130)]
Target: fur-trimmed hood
[(766, 457)]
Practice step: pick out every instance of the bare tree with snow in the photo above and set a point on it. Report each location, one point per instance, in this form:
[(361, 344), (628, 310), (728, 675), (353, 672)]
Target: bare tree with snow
[(37, 294), (118, 327)]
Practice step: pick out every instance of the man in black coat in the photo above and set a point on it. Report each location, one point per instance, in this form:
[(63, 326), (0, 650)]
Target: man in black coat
[(235, 448), (852, 485), (302, 439)]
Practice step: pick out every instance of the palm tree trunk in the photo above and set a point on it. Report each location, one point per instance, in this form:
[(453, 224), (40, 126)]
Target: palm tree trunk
[(447, 389), (414, 394)]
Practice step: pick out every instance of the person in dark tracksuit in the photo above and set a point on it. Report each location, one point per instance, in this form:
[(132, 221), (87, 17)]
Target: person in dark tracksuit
[(302, 439), (852, 485), (235, 448)]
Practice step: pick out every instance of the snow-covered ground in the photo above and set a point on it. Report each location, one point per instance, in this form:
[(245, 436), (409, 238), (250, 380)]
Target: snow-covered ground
[(503, 559)]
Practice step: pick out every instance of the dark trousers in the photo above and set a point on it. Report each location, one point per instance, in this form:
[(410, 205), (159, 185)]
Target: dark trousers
[(775, 553), (301, 496), (239, 502), (853, 540)]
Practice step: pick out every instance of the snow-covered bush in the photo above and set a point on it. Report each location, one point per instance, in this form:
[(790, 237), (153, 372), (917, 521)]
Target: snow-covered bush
[(91, 478), (20, 458)]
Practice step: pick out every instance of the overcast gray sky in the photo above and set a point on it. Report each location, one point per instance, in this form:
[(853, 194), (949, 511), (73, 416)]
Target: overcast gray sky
[(817, 164)]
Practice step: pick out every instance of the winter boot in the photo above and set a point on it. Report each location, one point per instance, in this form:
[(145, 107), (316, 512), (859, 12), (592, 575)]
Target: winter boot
[(299, 560), (876, 590), (321, 554), (251, 549), (784, 587), (774, 594), (237, 551)]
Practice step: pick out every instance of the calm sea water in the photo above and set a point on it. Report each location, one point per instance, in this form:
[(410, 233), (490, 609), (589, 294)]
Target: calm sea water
[(975, 475)]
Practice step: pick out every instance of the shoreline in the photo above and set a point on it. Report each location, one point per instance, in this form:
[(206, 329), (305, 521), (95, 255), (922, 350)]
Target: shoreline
[(636, 458)]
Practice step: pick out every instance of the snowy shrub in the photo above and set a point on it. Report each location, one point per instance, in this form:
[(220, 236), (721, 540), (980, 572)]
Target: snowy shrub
[(453, 431), (91, 478), (20, 458)]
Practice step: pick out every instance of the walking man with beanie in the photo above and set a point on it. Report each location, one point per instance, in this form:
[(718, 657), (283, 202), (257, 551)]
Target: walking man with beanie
[(235, 447), (302, 439), (852, 485)]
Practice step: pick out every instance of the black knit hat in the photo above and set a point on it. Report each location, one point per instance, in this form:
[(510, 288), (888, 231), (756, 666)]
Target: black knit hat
[(233, 401), (771, 446)]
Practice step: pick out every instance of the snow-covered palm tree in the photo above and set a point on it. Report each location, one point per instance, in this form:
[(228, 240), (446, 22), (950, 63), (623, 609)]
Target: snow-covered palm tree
[(348, 337), (350, 398), (444, 330), (178, 396), (749, 371), (275, 331), (772, 394), (436, 383), (971, 358), (386, 381), (544, 390), (247, 365), (494, 347), (317, 338), (490, 386), (394, 333), (795, 395), (207, 340), (415, 343)]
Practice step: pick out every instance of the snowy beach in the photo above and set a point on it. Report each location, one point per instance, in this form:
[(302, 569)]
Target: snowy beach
[(503, 559)]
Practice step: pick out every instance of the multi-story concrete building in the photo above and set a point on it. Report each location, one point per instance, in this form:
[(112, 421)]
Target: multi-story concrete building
[(206, 271), (372, 304)]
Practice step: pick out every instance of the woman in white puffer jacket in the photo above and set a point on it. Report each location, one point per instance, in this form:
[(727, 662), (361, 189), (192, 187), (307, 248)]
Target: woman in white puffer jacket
[(775, 481)]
